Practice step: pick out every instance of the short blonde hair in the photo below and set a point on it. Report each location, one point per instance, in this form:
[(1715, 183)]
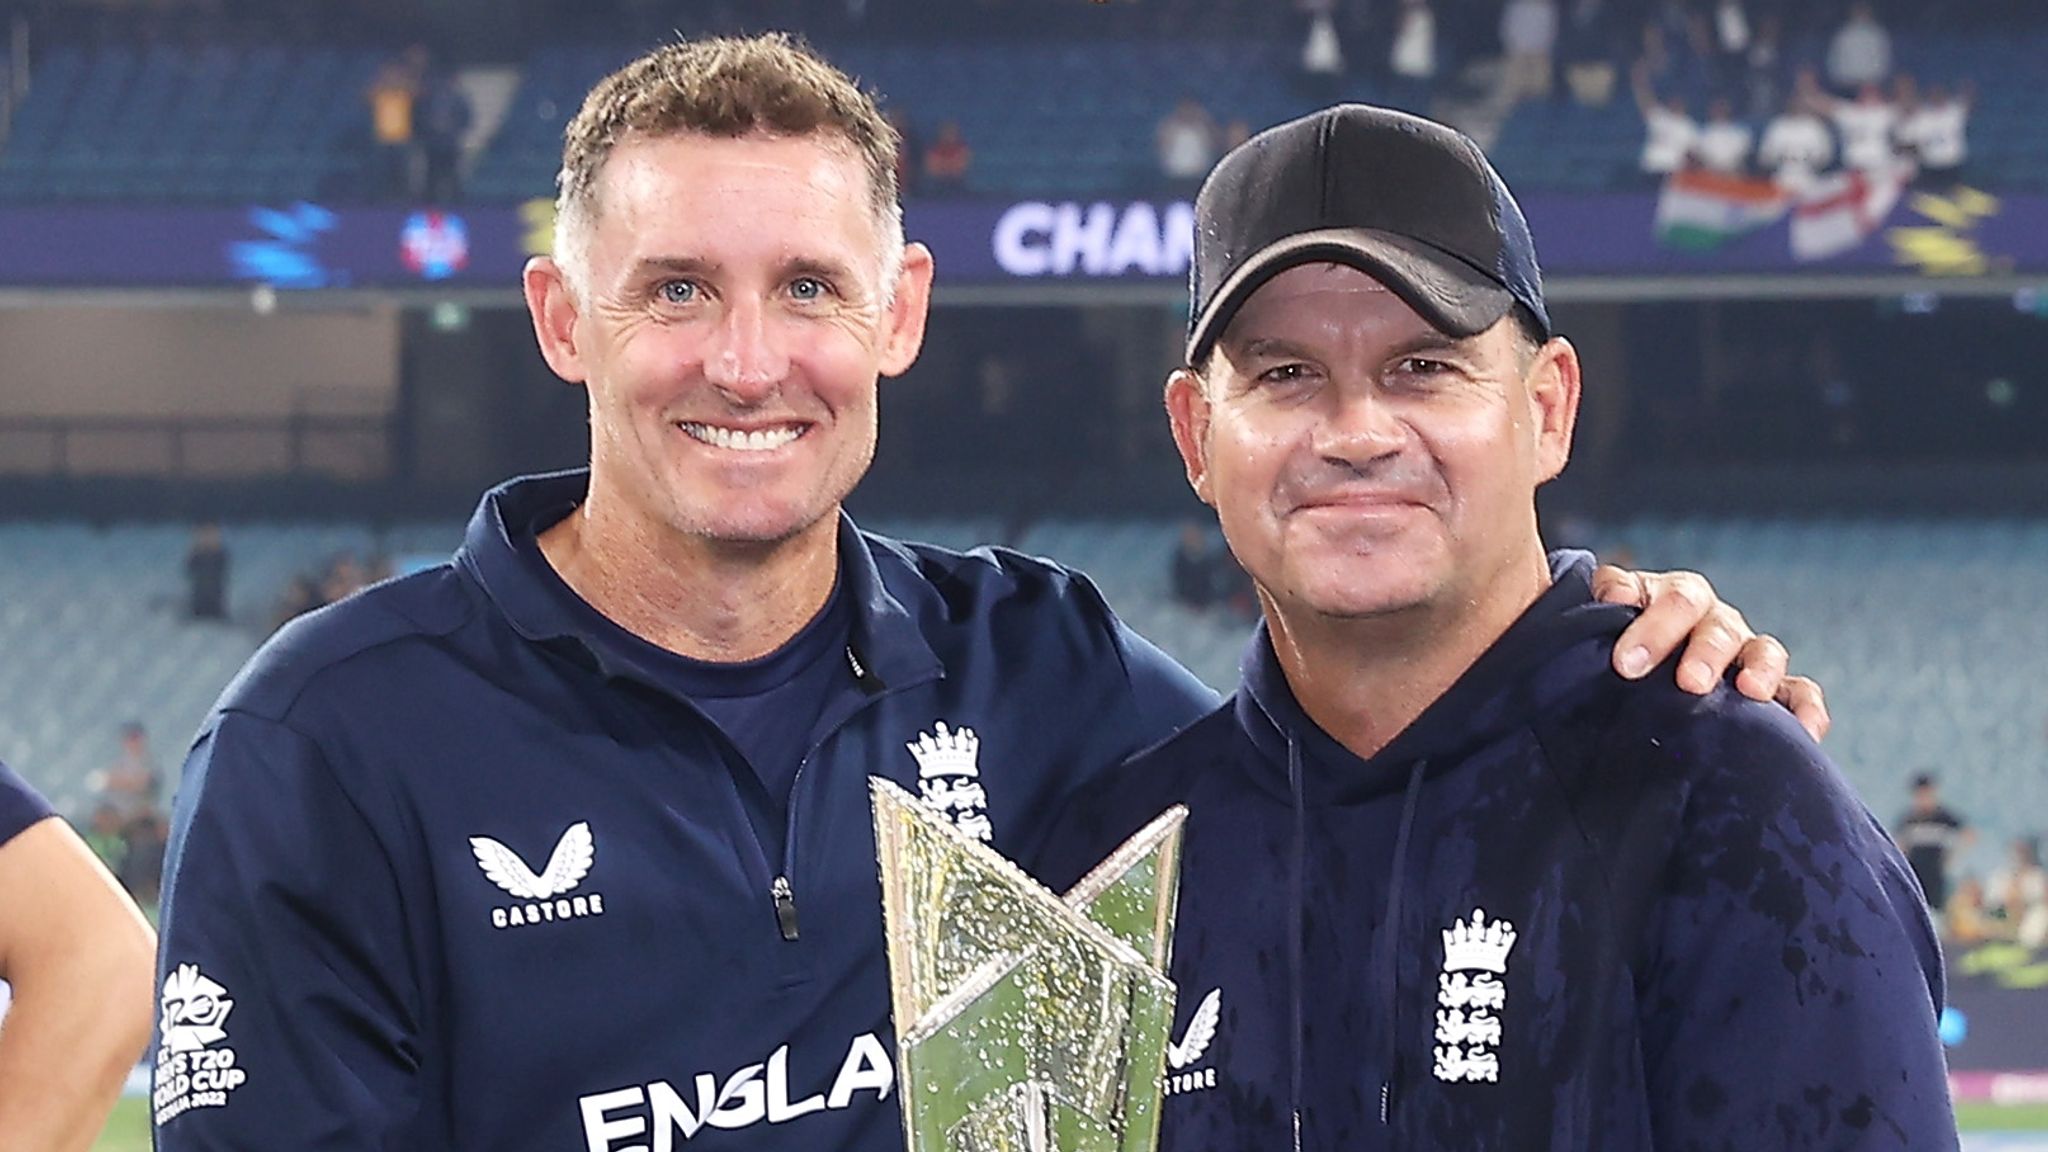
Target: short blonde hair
[(728, 87)]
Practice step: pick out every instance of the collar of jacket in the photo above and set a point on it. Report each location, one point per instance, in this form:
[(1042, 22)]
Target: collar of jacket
[(1497, 694), (888, 647)]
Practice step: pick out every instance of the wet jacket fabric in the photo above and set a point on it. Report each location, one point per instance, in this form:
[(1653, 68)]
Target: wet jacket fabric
[(1560, 911)]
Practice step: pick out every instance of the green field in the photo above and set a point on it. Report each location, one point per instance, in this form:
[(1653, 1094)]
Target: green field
[(1993, 1118), (128, 1129)]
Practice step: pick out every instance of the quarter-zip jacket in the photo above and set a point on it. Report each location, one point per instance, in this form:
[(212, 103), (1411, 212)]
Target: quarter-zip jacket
[(452, 869), (1560, 911)]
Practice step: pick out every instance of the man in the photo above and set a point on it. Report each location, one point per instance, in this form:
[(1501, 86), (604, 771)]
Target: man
[(75, 956), (1797, 146), (1723, 142), (1929, 834), (566, 844), (1669, 133), (1868, 127), (1937, 132), (1448, 881)]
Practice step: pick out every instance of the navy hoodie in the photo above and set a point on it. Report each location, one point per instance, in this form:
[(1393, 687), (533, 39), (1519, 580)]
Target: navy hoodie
[(1560, 911), (453, 867)]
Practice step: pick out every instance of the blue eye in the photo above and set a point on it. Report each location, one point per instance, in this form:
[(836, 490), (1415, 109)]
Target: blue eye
[(677, 291), (807, 288)]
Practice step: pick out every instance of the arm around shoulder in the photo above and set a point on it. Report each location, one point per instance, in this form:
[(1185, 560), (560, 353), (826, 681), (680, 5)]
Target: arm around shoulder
[(78, 954)]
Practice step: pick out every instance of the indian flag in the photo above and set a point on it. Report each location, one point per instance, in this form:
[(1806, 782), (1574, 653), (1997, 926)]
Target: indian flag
[(1699, 211)]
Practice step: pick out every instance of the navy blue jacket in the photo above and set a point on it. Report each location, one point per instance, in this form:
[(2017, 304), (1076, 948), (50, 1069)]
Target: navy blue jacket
[(450, 870), (1560, 911)]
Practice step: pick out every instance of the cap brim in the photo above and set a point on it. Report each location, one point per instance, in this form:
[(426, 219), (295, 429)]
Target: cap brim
[(1456, 298)]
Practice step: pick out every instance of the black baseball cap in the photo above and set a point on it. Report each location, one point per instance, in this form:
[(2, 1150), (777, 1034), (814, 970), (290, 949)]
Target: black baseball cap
[(1409, 201)]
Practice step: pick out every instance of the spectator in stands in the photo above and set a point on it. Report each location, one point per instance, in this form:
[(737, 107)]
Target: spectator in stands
[(1731, 34), (131, 784), (444, 122), (1967, 921), (947, 160), (1861, 51), (1797, 146), (301, 595), (1763, 65), (344, 578), (102, 833), (1528, 36), (1588, 44), (1412, 58), (2018, 893), (1930, 836), (1194, 568), (142, 855), (1669, 133), (909, 149), (206, 574), (1723, 142), (1187, 143), (1322, 52), (1867, 126), (77, 956), (392, 97), (1936, 132)]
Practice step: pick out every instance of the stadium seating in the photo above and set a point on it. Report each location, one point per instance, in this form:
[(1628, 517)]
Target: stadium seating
[(1927, 635), (121, 123), (1565, 146), (1070, 118), (93, 635)]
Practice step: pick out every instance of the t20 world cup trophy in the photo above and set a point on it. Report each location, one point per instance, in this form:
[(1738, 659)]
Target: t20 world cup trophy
[(1026, 1022)]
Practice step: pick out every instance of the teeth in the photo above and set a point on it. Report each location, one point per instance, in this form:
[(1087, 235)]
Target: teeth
[(759, 440)]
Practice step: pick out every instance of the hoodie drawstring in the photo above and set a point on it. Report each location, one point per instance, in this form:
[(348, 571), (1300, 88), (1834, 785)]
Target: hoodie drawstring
[(1296, 917), (1388, 944)]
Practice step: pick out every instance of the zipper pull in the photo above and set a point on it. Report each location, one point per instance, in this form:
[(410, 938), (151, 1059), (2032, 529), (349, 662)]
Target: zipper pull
[(1386, 1099), (785, 907)]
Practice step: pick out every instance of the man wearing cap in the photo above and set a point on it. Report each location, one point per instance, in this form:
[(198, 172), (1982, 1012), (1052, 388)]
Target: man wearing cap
[(1449, 881)]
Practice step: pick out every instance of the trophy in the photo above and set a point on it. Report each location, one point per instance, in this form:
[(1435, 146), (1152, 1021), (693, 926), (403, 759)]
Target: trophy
[(1025, 1022)]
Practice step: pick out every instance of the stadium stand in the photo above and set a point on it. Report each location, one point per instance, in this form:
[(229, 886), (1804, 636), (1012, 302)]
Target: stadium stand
[(1045, 119), (1055, 114), (124, 123), (1564, 145), (1923, 632)]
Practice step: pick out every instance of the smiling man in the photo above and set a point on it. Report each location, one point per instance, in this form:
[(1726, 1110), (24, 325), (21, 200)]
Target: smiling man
[(565, 844), (1449, 882)]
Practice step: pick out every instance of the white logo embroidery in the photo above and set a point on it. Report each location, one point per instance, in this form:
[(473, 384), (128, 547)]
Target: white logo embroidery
[(191, 1072), (567, 866), (1201, 1030), (757, 1093), (1467, 1031), (948, 778), (1192, 1045), (194, 1008)]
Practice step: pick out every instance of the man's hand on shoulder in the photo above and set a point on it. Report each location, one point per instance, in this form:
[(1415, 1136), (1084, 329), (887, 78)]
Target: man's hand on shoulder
[(1682, 607)]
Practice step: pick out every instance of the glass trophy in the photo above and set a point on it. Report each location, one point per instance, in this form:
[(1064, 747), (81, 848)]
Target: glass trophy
[(1025, 1021)]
